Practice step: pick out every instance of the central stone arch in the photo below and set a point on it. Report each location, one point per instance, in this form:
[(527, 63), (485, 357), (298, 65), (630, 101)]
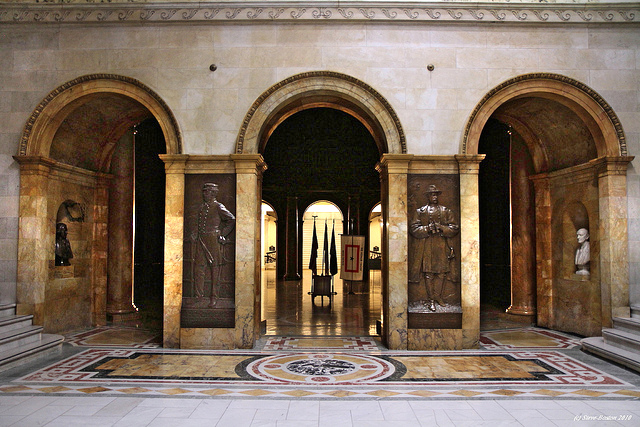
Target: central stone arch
[(321, 89)]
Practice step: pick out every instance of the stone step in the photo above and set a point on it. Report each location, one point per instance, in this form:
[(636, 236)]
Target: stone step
[(18, 337), (7, 310), (635, 311), (622, 339), (627, 324), (596, 345), (15, 322), (46, 345)]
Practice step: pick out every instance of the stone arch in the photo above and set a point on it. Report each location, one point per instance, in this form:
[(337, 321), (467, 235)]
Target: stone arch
[(597, 114), (39, 132), (321, 89)]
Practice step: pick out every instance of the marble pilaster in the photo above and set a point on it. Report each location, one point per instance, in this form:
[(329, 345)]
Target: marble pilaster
[(469, 167), (249, 169), (544, 273), (34, 237), (173, 241), (614, 265), (394, 170)]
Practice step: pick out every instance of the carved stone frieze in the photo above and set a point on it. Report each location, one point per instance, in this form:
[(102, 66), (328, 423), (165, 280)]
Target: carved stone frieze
[(83, 11)]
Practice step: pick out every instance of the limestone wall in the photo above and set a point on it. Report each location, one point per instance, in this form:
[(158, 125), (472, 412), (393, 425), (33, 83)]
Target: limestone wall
[(432, 106)]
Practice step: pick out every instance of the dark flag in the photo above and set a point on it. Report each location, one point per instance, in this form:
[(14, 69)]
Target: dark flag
[(313, 262), (333, 263), (325, 250)]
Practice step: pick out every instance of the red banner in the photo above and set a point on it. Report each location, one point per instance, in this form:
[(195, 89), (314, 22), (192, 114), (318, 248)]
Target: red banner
[(352, 257)]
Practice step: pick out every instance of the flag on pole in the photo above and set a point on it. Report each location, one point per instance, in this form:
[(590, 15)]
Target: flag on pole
[(352, 257), (313, 262), (325, 250), (333, 262)]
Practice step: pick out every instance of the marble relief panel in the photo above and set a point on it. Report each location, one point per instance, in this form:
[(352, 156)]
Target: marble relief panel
[(434, 252), (208, 287)]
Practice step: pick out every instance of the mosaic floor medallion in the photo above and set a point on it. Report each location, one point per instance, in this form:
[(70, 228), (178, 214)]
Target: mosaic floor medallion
[(320, 368)]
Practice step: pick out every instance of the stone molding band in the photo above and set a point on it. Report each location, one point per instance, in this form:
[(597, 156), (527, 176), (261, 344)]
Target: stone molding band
[(70, 12)]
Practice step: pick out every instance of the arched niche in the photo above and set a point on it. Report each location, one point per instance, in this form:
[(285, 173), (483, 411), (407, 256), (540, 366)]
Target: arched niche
[(56, 166), (579, 154)]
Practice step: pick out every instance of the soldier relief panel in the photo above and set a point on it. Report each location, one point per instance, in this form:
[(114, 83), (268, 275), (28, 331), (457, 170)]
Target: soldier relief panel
[(208, 292), (434, 248)]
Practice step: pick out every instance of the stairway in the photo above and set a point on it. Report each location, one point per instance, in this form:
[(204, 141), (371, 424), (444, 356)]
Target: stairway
[(620, 344), (21, 341)]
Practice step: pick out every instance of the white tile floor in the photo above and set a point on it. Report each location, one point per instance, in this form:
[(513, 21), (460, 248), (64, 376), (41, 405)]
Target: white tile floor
[(186, 412)]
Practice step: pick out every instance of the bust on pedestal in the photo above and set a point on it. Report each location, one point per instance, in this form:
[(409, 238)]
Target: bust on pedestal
[(583, 253)]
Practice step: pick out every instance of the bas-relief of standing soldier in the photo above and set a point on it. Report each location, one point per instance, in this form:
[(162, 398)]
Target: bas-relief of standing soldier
[(432, 226), (215, 222)]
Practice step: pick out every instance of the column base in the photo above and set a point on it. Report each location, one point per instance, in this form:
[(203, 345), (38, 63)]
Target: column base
[(521, 311), (123, 316)]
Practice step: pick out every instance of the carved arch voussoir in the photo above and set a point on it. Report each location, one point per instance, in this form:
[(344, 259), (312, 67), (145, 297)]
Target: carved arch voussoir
[(137, 86), (572, 84), (348, 87)]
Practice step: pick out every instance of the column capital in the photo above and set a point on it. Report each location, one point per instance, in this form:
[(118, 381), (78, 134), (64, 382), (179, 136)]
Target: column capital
[(249, 163), (394, 163), (469, 163), (612, 165), (35, 165), (174, 163)]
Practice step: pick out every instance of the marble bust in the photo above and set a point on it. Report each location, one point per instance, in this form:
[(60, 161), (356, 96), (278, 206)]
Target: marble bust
[(583, 253)]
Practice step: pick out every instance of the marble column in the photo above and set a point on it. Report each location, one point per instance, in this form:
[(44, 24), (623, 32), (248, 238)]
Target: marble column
[(120, 261), (395, 275), (249, 169), (523, 256), (291, 250), (173, 242), (36, 236), (469, 168), (614, 244), (544, 270)]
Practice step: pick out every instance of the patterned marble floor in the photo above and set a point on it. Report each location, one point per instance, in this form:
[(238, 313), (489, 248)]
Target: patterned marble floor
[(521, 376), (515, 363)]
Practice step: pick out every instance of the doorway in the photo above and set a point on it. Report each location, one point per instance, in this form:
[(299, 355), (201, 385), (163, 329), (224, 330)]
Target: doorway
[(321, 163)]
